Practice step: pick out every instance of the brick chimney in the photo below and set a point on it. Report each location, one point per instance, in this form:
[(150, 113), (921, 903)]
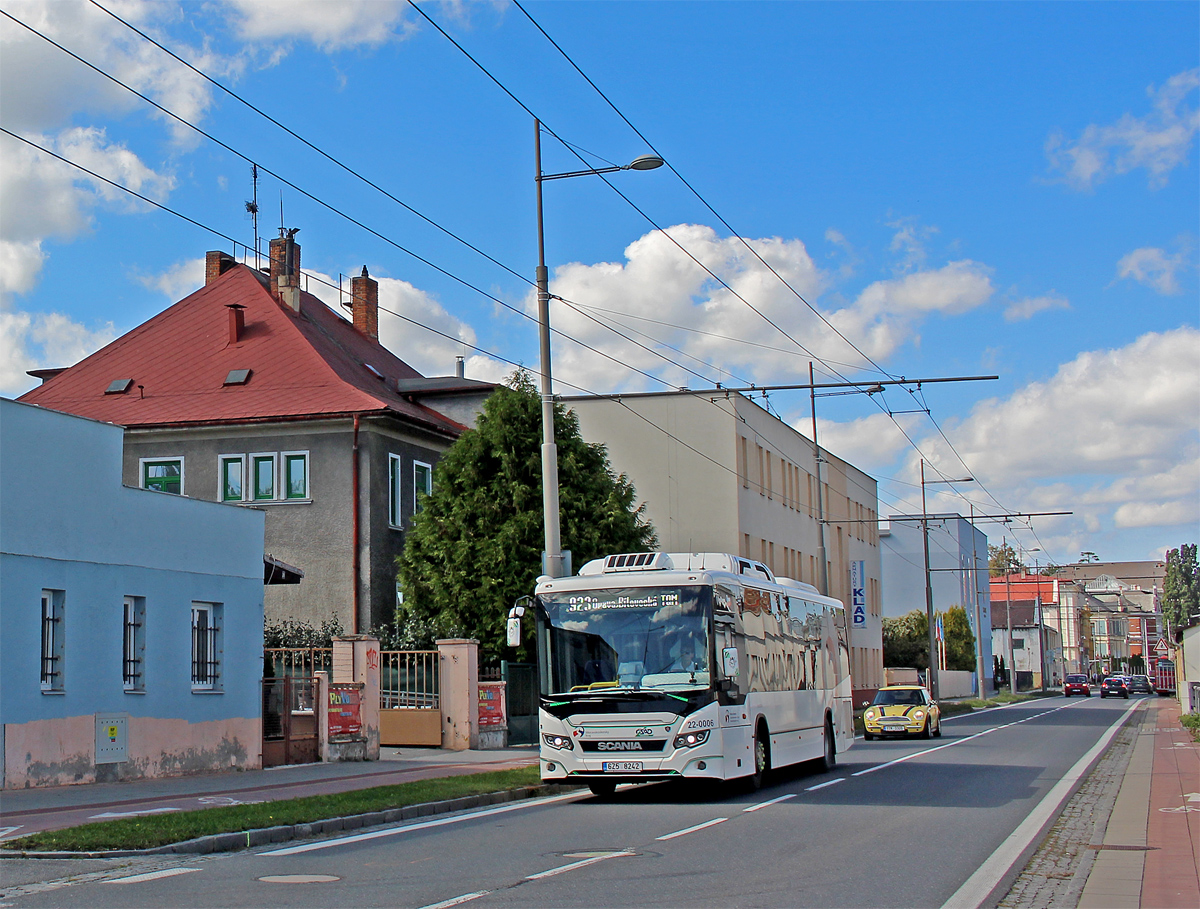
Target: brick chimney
[(285, 268), (364, 291), (237, 322), (216, 263)]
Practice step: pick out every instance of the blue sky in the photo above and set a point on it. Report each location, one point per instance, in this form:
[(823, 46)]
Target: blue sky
[(962, 189)]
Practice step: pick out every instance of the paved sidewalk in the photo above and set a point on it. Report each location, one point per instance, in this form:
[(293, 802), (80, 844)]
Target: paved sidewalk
[(1150, 853), (24, 811)]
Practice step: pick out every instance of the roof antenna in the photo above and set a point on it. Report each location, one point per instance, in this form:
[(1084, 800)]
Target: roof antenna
[(281, 213), (252, 210)]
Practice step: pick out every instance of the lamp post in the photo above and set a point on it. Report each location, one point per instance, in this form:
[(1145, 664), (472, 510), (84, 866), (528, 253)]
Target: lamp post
[(553, 565), (933, 654)]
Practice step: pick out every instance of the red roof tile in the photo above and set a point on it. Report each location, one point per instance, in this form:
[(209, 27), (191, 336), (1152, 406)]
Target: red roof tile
[(304, 365)]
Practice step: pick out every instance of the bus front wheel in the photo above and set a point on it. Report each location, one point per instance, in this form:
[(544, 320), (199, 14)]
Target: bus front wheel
[(829, 758), (602, 788), (762, 758)]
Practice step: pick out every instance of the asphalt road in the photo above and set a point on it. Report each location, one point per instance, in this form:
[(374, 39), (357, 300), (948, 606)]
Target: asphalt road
[(897, 824)]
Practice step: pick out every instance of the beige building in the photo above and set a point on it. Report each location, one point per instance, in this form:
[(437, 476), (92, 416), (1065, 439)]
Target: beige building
[(718, 473)]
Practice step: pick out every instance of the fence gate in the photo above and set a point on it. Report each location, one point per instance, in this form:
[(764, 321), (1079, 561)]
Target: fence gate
[(410, 710), (289, 721), (522, 694)]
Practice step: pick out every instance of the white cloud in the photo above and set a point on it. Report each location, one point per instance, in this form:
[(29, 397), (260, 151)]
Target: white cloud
[(41, 340), (177, 281), (1158, 141), (661, 299), (1030, 306), (329, 24), (909, 242), (871, 443), (1113, 436), (64, 87), (1153, 267), (47, 198)]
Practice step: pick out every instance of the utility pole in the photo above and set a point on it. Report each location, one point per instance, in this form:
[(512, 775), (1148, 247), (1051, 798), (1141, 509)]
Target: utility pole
[(822, 568), (1012, 672)]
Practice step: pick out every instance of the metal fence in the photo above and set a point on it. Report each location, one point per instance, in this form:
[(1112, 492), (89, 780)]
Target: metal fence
[(408, 678), (296, 662)]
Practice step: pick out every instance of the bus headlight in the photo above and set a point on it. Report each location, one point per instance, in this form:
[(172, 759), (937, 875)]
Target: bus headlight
[(691, 739), (559, 741)]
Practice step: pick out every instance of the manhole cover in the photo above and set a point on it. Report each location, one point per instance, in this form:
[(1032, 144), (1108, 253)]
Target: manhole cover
[(299, 879)]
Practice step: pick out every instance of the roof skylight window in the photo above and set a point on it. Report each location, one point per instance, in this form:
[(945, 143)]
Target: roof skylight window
[(375, 372), (238, 376), (119, 387)]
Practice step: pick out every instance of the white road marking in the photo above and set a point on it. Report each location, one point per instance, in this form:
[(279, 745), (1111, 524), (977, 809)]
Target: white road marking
[(782, 798), (6, 832), (571, 867), (458, 900), (152, 875), (917, 754), (840, 779), (424, 825), (687, 830), (141, 813), (978, 887)]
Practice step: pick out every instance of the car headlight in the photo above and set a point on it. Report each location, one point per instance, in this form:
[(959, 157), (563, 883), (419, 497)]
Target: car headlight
[(870, 714), (918, 714), (691, 739), (559, 741)]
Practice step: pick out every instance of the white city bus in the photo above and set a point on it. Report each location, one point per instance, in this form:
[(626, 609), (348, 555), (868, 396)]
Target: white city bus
[(658, 666)]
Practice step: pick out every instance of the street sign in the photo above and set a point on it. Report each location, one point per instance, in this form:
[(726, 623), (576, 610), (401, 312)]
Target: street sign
[(858, 593), (1160, 649)]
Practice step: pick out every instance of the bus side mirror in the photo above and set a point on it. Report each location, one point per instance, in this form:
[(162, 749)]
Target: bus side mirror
[(514, 622), (729, 663)]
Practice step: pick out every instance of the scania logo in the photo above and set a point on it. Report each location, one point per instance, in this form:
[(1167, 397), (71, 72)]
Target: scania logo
[(619, 746)]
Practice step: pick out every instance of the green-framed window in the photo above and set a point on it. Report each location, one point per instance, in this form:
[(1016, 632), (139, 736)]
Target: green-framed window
[(233, 476), (164, 475), (422, 482), (263, 476), (295, 474)]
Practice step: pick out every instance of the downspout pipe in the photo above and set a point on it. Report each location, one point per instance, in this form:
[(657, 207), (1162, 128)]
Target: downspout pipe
[(355, 484)]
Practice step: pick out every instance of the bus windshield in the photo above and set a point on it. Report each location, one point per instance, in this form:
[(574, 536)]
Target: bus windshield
[(626, 639)]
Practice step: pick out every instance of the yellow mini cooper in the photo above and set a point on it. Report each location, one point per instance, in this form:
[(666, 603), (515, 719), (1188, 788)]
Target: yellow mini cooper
[(902, 710)]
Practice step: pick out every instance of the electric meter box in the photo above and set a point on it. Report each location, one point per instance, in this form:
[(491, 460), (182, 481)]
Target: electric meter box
[(112, 738)]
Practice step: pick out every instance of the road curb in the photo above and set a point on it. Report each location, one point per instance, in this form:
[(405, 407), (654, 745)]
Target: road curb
[(264, 836)]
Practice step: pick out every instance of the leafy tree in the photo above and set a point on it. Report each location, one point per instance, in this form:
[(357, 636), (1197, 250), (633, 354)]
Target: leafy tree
[(1181, 587), (906, 641), (476, 544), (960, 641), (1003, 560)]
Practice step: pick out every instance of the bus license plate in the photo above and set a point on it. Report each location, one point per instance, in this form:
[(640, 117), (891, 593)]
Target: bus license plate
[(622, 766)]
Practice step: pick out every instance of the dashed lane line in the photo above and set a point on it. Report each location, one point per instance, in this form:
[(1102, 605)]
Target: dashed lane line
[(782, 798), (151, 876), (840, 779), (562, 869), (686, 830)]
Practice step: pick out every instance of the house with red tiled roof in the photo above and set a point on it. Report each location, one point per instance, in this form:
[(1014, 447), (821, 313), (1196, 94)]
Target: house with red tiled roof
[(254, 392)]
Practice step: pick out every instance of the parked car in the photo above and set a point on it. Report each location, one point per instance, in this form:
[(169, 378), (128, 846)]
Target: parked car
[(1076, 684), (1140, 684), (1115, 685), (902, 710)]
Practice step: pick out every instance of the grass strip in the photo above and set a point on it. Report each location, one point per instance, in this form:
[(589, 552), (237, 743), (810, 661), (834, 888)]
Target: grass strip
[(150, 831)]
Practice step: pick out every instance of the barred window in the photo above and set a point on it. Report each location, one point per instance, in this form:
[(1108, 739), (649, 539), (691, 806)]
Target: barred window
[(133, 645), (206, 646), (52, 639)]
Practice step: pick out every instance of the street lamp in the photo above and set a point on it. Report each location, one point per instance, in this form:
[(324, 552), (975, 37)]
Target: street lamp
[(933, 655), (553, 558)]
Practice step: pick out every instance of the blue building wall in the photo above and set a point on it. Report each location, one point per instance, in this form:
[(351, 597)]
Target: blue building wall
[(67, 523), (954, 546)]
